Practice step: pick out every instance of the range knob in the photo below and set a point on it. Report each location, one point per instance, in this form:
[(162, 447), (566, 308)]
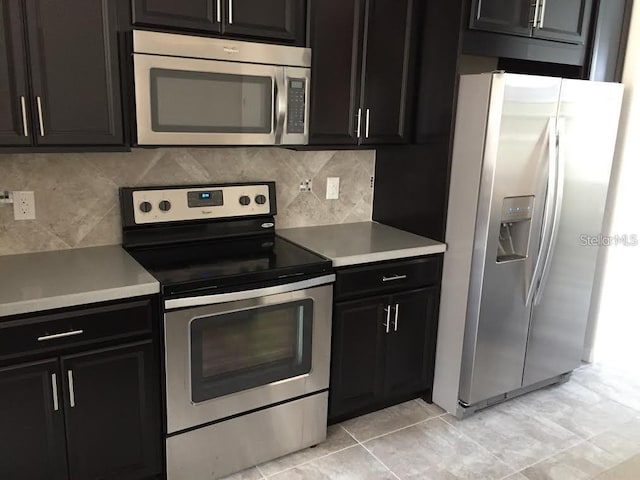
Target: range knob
[(245, 200), (165, 205), (261, 199), (145, 207)]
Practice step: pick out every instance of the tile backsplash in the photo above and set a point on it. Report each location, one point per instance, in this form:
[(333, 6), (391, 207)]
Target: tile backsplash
[(77, 194)]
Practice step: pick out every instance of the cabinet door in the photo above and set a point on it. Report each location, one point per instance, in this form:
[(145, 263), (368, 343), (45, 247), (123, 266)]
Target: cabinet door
[(504, 16), (410, 344), (112, 415), (357, 355), (32, 442), (564, 20), (14, 100), (336, 41), (279, 20), (74, 70), (388, 72), (203, 15)]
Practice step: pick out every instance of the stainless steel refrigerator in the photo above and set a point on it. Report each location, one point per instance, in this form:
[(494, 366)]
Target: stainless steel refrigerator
[(530, 177)]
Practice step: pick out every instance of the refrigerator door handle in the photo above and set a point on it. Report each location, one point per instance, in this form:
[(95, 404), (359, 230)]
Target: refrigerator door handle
[(553, 237), (547, 219)]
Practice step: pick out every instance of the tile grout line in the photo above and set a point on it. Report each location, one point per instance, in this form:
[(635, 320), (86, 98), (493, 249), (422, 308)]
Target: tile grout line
[(371, 453), (391, 431), (308, 461), (491, 454)]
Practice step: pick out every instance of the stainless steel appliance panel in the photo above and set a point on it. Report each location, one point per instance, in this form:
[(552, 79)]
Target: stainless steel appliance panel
[(587, 128), (183, 413), (521, 122), (224, 448)]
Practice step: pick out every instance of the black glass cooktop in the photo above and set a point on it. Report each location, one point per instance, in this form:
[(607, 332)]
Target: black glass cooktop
[(220, 265)]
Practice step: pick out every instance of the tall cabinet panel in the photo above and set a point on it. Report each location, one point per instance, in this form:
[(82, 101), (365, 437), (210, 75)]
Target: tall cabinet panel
[(31, 420), (14, 120), (504, 16), (387, 71), (337, 31), (74, 69), (112, 399)]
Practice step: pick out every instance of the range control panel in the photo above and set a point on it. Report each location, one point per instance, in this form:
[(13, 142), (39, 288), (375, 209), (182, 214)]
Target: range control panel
[(200, 203)]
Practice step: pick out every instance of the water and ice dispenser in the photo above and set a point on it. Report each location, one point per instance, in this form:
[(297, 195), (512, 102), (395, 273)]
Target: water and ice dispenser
[(515, 229)]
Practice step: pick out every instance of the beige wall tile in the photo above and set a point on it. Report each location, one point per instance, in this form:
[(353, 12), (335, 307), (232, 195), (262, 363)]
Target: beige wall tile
[(77, 194)]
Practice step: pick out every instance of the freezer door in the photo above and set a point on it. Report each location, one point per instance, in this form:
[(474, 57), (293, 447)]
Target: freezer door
[(587, 128), (521, 121)]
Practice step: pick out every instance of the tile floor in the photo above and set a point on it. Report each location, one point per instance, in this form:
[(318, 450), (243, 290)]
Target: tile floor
[(588, 428)]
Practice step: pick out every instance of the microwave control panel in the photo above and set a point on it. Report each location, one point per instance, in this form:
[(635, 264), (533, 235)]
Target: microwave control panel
[(296, 105)]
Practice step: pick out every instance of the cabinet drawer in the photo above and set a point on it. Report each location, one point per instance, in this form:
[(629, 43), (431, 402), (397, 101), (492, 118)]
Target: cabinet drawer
[(79, 327), (388, 277)]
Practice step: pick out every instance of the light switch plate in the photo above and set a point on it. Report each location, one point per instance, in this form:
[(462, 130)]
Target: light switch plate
[(333, 188), (24, 206)]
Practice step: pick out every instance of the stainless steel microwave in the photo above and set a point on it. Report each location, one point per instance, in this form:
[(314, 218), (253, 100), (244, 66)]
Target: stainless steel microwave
[(193, 90)]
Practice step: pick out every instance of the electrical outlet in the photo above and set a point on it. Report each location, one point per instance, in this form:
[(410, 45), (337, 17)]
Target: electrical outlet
[(305, 185), (24, 205), (333, 188)]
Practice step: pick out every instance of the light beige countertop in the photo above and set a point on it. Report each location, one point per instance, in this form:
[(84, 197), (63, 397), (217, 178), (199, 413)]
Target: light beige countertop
[(364, 242), (35, 282)]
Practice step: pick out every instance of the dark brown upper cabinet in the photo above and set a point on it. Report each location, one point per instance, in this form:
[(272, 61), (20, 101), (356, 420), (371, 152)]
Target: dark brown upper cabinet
[(72, 94), (557, 20), (14, 89), (363, 68), (280, 21), (205, 15)]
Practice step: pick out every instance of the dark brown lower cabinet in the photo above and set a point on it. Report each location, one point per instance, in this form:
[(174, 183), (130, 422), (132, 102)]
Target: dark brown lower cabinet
[(80, 394), (110, 413), (382, 351), (32, 437)]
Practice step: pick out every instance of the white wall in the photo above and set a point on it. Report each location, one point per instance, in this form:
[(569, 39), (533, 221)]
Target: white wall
[(618, 326)]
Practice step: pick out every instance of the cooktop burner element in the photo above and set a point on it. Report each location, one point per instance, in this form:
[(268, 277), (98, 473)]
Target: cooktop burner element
[(212, 238)]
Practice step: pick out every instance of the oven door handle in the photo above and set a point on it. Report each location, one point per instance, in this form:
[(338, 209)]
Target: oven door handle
[(247, 294)]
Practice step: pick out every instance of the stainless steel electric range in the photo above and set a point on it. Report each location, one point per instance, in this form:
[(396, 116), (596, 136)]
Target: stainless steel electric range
[(247, 325)]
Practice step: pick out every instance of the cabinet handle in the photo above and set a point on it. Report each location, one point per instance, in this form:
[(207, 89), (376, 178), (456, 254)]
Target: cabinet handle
[(359, 122), (395, 323), (54, 388), (72, 394), (219, 11), (230, 12), (367, 123), (543, 10), (534, 22), (60, 335), (40, 116), (23, 106), (387, 324), (394, 278)]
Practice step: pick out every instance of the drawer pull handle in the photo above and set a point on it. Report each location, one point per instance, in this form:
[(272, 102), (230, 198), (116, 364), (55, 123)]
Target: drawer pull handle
[(395, 324), (72, 393), (60, 335), (394, 278), (387, 324)]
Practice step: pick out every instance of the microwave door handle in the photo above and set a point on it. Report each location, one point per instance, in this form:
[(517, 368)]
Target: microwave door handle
[(280, 105)]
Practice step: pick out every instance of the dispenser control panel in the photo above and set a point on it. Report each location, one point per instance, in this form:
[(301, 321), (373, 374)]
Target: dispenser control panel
[(517, 209)]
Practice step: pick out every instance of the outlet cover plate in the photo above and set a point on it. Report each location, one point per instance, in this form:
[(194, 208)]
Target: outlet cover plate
[(333, 188), (24, 205)]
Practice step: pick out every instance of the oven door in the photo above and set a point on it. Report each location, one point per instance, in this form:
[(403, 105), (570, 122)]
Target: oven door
[(229, 358), (186, 101)]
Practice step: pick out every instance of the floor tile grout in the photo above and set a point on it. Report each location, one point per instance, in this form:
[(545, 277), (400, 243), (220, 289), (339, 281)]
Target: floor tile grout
[(311, 460), (391, 431), (371, 453)]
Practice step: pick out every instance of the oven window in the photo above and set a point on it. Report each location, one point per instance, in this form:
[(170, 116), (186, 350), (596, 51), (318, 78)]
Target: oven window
[(184, 101), (235, 351)]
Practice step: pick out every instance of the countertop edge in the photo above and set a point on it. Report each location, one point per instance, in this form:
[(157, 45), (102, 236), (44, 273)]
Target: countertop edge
[(388, 255), (78, 299)]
